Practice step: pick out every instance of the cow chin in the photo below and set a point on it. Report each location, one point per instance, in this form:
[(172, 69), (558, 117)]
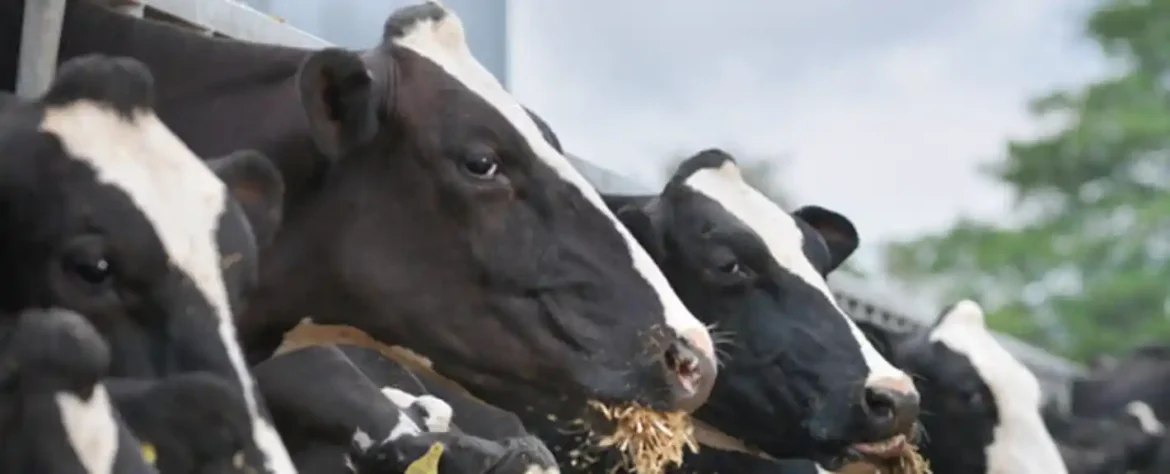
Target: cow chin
[(802, 420)]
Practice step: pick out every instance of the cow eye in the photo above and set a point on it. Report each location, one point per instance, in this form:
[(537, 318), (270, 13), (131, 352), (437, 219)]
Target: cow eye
[(735, 269), (94, 272), (87, 261), (481, 164), (975, 399)]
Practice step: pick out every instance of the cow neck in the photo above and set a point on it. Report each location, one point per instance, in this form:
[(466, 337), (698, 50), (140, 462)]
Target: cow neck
[(308, 333), (217, 95)]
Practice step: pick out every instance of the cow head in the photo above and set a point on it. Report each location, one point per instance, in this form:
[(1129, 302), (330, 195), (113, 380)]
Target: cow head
[(446, 223), (56, 416), (108, 214), (1140, 374), (980, 406), (799, 379), (1125, 441)]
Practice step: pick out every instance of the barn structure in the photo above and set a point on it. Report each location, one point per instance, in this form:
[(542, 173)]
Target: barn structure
[(486, 21)]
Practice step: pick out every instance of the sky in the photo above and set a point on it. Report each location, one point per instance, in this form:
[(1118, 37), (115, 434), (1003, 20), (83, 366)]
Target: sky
[(883, 111)]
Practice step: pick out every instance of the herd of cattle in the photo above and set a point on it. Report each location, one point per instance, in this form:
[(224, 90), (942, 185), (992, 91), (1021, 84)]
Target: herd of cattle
[(175, 204)]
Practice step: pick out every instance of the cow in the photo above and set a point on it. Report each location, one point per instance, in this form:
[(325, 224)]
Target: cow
[(800, 379), (980, 405), (423, 208), (56, 416), (1119, 444), (106, 213), (381, 417), (1142, 374)]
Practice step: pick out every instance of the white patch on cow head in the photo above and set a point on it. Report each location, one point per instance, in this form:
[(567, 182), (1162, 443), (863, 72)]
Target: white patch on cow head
[(1145, 417), (183, 200), (444, 43), (92, 429), (1022, 443), (406, 426), (437, 414), (785, 241), (537, 469)]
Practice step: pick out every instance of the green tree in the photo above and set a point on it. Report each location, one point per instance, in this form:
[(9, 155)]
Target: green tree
[(1086, 267)]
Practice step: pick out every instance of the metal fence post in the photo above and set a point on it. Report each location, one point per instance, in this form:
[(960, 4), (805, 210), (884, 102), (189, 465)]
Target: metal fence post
[(39, 40)]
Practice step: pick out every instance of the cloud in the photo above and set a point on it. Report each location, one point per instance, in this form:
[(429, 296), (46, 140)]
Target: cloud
[(886, 108)]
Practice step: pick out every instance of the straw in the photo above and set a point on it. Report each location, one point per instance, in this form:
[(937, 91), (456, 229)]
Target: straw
[(649, 441)]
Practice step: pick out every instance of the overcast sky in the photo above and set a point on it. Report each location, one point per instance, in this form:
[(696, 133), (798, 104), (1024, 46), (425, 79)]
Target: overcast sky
[(886, 108)]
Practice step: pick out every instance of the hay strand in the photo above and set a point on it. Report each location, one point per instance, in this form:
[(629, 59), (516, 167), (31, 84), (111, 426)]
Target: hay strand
[(649, 441), (910, 462)]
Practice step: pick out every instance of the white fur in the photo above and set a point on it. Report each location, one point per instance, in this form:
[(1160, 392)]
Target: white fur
[(183, 200), (438, 413), (1021, 444), (1145, 417), (444, 43), (92, 429), (780, 233), (536, 469)]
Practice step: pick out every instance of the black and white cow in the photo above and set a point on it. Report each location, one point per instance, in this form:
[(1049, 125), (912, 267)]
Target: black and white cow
[(799, 379), (106, 213), (1142, 374), (373, 415), (56, 417), (981, 407), (1120, 444), (487, 252)]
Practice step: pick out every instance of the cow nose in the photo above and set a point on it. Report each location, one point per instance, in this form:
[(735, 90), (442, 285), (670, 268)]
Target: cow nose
[(890, 407), (692, 370)]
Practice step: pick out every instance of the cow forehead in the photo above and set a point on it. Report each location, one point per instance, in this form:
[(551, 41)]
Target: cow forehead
[(181, 198), (440, 38), (776, 228), (784, 239), (1012, 384)]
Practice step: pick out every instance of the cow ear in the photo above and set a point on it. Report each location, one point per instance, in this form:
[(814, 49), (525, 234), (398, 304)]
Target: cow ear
[(644, 229), (836, 229), (337, 92), (257, 186)]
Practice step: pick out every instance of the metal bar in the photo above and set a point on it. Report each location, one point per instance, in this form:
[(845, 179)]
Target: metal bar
[(40, 40), (236, 20)]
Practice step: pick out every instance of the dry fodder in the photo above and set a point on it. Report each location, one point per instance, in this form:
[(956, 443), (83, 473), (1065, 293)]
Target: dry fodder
[(909, 462), (649, 441)]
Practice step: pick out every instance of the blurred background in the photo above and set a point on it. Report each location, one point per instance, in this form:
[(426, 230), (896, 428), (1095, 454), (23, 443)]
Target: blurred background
[(1016, 152)]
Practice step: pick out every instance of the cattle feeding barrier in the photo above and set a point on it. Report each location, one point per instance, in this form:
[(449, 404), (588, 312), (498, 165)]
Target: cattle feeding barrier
[(233, 19)]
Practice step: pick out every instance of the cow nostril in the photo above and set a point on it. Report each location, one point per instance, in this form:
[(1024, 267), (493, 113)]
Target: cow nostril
[(880, 405), (683, 363), (693, 374), (889, 408)]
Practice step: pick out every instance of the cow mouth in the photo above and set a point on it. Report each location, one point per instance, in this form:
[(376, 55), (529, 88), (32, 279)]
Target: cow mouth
[(886, 449)]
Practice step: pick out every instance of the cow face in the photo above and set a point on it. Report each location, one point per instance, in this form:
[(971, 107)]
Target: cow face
[(1127, 441), (56, 416), (968, 380), (447, 224), (107, 214), (800, 380)]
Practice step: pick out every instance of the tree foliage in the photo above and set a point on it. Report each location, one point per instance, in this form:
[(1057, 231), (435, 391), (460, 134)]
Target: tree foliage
[(1086, 269)]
